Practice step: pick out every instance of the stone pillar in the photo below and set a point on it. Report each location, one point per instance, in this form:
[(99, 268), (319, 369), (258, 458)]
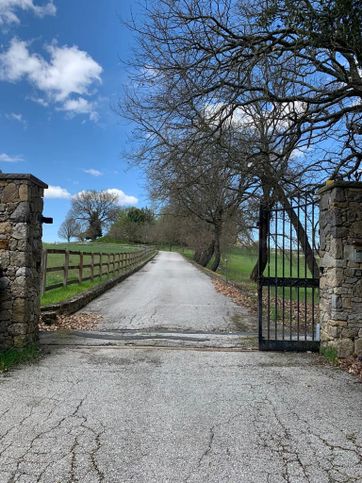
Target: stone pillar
[(21, 206), (341, 267)]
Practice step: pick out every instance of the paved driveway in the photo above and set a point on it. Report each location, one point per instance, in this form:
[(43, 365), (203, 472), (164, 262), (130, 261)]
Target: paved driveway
[(170, 293), (92, 414), (95, 410)]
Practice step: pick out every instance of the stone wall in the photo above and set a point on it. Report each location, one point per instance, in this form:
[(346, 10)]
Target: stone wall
[(341, 267), (21, 206)]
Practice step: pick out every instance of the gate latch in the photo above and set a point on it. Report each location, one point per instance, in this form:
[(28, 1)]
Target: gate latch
[(47, 220)]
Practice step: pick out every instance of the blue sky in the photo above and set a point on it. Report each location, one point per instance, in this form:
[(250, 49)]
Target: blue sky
[(60, 76)]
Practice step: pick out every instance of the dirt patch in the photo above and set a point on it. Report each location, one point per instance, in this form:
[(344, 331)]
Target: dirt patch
[(80, 321)]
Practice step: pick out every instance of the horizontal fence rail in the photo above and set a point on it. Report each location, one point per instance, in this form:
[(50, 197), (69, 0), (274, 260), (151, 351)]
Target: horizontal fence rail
[(74, 267)]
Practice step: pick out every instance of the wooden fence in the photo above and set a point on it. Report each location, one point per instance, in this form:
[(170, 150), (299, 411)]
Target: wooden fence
[(78, 267)]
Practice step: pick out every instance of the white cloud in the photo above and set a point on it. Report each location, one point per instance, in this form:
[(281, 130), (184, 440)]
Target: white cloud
[(7, 158), (80, 106), (64, 79), (8, 10), (123, 199), (57, 192), (93, 172), (18, 117)]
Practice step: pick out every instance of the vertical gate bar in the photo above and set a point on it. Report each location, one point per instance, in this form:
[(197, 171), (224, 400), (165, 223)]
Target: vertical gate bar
[(313, 266), (291, 275), (283, 271), (298, 265), (305, 265), (260, 285), (268, 260), (276, 275)]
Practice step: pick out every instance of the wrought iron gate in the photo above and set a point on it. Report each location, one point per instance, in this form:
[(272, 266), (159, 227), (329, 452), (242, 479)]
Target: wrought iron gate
[(288, 285)]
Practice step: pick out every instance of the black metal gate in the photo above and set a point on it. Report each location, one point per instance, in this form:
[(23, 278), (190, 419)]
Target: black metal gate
[(289, 276)]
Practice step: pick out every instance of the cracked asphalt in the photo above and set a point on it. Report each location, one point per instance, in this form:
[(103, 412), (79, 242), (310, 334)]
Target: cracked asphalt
[(96, 414), (96, 410)]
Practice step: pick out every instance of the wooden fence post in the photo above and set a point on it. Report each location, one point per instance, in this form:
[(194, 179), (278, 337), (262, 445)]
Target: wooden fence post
[(66, 268), (113, 264), (80, 267), (92, 266)]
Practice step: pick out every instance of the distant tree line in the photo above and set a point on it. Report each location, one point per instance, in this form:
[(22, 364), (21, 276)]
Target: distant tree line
[(207, 232)]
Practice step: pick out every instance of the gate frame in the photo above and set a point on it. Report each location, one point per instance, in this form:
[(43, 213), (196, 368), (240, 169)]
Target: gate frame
[(276, 344)]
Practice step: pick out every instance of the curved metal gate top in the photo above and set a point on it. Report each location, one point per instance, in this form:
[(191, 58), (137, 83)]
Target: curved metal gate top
[(289, 277)]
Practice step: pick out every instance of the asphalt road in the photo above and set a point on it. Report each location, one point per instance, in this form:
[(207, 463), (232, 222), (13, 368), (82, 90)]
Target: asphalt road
[(170, 293), (95, 410), (95, 414)]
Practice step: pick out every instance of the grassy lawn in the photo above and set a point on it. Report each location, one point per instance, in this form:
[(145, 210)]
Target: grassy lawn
[(13, 357), (64, 293)]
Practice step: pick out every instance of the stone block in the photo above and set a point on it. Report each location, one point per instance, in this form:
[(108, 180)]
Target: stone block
[(21, 213), (4, 244), (10, 193), (5, 227), (333, 331), (345, 347), (23, 192), (336, 302), (20, 231), (18, 329), (349, 332), (358, 347)]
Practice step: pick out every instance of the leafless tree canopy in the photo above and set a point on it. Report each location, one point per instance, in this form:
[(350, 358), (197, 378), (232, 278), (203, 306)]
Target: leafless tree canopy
[(70, 228), (224, 55), (235, 100)]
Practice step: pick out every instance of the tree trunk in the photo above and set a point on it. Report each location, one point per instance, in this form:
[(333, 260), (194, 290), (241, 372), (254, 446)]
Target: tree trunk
[(262, 261), (207, 254), (197, 255), (217, 252)]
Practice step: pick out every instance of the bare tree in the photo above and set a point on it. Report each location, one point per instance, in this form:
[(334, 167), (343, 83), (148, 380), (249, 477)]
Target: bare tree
[(194, 54), (95, 209), (70, 228), (200, 183)]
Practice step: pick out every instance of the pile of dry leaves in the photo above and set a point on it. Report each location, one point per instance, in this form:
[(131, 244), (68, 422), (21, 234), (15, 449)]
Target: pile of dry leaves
[(80, 321), (245, 298), (353, 365)]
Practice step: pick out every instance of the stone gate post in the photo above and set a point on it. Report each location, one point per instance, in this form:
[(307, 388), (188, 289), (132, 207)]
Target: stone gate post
[(341, 267), (21, 206)]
